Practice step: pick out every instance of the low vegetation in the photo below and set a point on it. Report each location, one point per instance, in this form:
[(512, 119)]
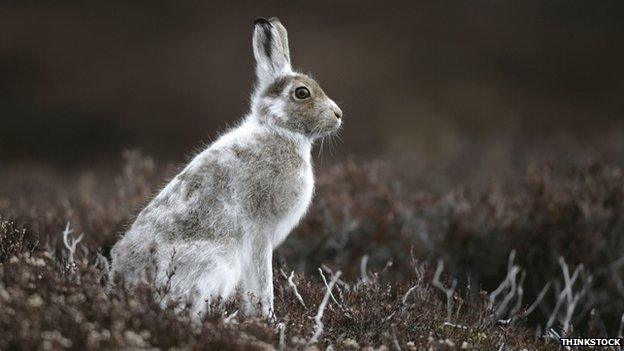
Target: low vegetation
[(378, 263)]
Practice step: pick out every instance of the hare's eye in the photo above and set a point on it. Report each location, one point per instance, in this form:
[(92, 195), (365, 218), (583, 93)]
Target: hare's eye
[(302, 93)]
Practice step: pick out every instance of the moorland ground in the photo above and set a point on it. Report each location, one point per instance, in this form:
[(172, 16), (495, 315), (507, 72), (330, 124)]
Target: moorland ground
[(534, 249)]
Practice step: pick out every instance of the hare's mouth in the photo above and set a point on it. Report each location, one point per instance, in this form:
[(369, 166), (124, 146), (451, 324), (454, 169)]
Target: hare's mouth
[(325, 130)]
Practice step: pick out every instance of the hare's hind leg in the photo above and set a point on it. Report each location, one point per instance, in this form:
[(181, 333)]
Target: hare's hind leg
[(257, 282), (130, 261), (203, 274)]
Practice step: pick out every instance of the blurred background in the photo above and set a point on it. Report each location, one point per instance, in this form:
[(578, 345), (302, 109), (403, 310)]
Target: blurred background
[(81, 81), (441, 97)]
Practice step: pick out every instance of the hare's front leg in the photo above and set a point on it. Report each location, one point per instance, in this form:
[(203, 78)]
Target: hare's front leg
[(257, 282)]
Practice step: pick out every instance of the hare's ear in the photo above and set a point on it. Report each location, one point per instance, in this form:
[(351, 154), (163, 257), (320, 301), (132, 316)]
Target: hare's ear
[(270, 46)]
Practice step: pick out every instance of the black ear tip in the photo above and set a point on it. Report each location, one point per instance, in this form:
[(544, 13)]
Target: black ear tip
[(260, 20)]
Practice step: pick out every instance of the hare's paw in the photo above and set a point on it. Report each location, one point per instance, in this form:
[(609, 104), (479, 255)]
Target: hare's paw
[(258, 307)]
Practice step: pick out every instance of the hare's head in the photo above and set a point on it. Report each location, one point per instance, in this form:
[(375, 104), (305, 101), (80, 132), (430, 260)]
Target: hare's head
[(283, 97)]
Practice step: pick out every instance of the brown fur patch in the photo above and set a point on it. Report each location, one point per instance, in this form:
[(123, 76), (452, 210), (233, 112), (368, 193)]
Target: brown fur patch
[(276, 89)]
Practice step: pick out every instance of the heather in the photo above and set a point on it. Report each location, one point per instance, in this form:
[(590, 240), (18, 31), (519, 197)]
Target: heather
[(512, 263)]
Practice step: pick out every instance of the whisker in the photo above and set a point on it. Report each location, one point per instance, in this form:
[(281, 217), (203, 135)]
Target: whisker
[(338, 136), (330, 144), (333, 144)]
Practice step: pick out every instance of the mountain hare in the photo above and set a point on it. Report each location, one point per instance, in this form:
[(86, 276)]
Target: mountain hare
[(218, 221)]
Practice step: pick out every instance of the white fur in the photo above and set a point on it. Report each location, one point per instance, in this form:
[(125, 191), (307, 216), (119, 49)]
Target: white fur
[(229, 247)]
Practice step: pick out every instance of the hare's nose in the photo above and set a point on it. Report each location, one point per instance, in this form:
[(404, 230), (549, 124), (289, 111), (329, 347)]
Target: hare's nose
[(337, 112)]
